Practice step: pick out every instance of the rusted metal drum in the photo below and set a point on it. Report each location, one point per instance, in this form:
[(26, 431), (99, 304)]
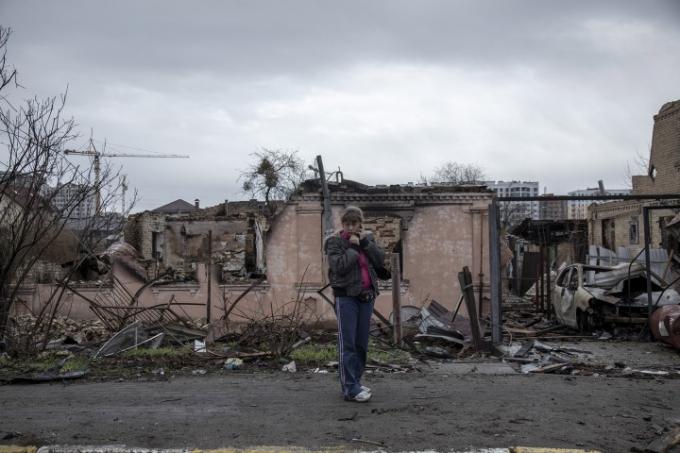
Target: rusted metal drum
[(665, 325)]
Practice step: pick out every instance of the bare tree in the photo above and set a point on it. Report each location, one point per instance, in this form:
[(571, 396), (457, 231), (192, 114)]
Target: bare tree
[(638, 166), (7, 74), (457, 173), (42, 193), (513, 212), (274, 175)]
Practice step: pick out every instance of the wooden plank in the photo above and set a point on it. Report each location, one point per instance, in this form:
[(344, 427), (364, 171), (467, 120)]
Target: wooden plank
[(465, 280)]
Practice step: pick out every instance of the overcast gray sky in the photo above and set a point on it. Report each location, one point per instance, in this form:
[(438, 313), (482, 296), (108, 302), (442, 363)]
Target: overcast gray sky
[(554, 91)]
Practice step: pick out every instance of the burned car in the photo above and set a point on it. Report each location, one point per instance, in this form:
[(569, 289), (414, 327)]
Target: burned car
[(586, 297)]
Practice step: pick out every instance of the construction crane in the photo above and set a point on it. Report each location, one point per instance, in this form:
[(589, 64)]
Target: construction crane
[(97, 155), (123, 189)]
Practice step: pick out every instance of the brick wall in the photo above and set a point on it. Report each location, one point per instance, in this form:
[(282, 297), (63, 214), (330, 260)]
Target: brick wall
[(386, 230), (664, 161), (623, 214), (138, 231)]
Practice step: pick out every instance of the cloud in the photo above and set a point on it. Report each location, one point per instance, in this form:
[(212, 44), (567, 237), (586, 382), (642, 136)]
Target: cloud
[(557, 92)]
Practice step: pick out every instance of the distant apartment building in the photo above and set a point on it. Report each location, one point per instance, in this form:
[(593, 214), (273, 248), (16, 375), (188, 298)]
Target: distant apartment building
[(64, 201), (578, 209), (552, 209), (515, 211)]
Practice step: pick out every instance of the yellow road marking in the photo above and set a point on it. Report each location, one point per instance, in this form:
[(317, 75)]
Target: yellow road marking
[(549, 450), (17, 449)]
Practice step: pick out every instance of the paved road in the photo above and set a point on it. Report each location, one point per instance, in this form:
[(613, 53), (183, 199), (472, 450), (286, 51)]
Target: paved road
[(408, 412)]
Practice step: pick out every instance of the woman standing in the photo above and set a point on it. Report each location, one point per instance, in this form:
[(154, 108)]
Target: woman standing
[(353, 257)]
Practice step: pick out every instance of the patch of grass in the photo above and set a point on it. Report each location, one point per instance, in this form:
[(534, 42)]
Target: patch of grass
[(320, 354), (40, 364), (315, 354), (48, 361), (383, 353), (393, 356), (157, 353), (76, 364)]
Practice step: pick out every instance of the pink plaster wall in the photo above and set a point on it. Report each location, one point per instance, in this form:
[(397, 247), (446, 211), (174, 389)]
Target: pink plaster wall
[(439, 241)]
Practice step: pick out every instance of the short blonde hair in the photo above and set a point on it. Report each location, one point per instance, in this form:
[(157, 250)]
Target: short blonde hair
[(352, 214)]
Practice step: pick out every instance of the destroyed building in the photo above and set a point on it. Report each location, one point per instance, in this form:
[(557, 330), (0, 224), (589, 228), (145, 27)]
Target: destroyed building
[(663, 174), (618, 225), (174, 239), (436, 230), (276, 254)]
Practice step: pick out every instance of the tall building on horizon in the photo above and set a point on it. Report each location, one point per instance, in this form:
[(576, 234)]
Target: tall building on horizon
[(552, 209), (515, 211), (578, 209), (65, 200)]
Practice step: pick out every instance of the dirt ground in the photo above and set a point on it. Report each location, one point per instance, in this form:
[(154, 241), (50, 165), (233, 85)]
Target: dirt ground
[(455, 405)]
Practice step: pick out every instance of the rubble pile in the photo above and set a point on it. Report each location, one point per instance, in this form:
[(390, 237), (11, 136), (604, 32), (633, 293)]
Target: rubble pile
[(534, 356), (63, 330), (518, 322), (537, 345), (279, 337)]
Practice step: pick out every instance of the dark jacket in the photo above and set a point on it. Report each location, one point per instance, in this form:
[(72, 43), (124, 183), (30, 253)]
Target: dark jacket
[(343, 264)]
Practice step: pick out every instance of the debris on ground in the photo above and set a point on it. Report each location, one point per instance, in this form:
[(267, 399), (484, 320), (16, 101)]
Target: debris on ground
[(439, 352), (536, 357), (130, 337), (170, 343), (431, 332), (199, 346), (441, 346), (47, 367), (290, 367), (233, 364), (666, 442), (66, 333), (379, 365), (436, 319), (47, 376)]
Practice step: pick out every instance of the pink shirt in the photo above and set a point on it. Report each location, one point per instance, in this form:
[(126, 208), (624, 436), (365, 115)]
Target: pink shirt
[(363, 263)]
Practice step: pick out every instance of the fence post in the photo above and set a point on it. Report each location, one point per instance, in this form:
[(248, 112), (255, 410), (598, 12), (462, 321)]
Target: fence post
[(648, 264), (396, 298), (495, 272), (208, 302)]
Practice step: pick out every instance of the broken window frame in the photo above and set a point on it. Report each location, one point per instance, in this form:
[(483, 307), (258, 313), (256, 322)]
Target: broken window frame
[(652, 172), (634, 230), (563, 278), (609, 233), (574, 279), (156, 245)]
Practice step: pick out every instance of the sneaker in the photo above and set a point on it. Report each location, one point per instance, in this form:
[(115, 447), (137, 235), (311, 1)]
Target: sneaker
[(365, 389), (362, 397)]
